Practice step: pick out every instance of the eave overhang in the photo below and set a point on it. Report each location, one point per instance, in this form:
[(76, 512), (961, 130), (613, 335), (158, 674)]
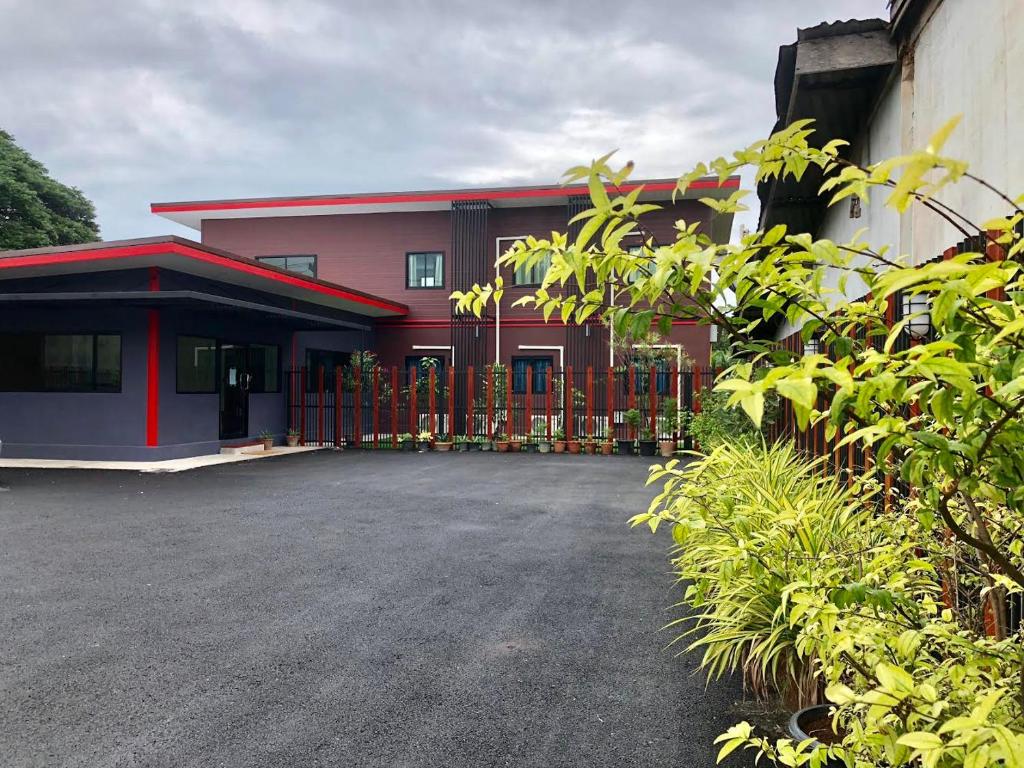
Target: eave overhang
[(193, 258)]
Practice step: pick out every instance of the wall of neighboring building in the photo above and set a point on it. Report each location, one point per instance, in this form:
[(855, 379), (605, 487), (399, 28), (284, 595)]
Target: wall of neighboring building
[(968, 59)]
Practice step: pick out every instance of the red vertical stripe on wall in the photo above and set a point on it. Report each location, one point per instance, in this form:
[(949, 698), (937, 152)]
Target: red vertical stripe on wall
[(153, 379)]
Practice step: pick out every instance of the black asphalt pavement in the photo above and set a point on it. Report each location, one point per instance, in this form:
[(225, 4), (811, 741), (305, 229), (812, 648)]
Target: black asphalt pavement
[(349, 609)]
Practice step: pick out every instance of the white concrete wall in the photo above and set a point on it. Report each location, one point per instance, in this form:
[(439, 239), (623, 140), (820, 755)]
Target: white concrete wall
[(969, 59)]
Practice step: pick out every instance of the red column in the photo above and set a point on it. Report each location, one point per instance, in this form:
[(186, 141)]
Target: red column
[(432, 401), (568, 403), (652, 399), (413, 416), (451, 403), (529, 400), (394, 406), (632, 396), (469, 399), (590, 401), (490, 402), (376, 406), (339, 402), (508, 401), (303, 376), (547, 400), (153, 376), (610, 395), (320, 405), (357, 429)]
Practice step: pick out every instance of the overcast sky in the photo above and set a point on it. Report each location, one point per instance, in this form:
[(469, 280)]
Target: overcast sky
[(146, 100)]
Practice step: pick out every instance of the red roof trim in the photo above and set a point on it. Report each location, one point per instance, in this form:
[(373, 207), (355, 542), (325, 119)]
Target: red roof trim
[(134, 251), (423, 197)]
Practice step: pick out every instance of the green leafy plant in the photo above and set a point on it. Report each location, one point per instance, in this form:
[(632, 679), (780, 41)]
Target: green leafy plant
[(915, 653), (559, 435), (424, 437), (671, 415), (632, 418), (405, 437)]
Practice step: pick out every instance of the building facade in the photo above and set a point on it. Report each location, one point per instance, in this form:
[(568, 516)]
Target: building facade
[(165, 347)]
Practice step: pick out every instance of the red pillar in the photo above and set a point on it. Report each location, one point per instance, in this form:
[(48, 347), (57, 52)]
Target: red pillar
[(547, 400), (490, 402), (451, 403), (339, 402), (610, 395), (376, 406), (394, 406), (320, 405), (590, 401), (469, 399), (153, 378), (568, 402), (357, 417), (432, 401), (632, 396), (529, 400), (652, 399), (413, 416)]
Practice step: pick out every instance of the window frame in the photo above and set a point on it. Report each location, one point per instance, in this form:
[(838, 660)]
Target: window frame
[(536, 391), (95, 359), (216, 366), (444, 259), (545, 263), (316, 262), (277, 372)]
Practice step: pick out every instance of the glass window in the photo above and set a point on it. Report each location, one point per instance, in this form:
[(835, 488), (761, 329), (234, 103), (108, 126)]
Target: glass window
[(425, 270), (263, 365), (540, 367), (533, 275), (662, 375), (36, 362), (301, 265), (197, 365)]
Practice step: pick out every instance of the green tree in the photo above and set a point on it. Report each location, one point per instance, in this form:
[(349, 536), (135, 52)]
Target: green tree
[(915, 654), (36, 210)]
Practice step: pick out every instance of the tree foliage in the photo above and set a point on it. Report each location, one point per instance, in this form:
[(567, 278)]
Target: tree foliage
[(920, 662), (35, 209)]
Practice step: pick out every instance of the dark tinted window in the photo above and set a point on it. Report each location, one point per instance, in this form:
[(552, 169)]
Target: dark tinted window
[(302, 265), (540, 367), (37, 362), (264, 367), (197, 364)]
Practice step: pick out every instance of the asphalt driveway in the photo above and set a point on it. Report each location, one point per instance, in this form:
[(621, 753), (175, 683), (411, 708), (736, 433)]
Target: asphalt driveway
[(346, 610)]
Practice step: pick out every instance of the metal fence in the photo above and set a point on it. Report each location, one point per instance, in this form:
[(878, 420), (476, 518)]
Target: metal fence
[(374, 408)]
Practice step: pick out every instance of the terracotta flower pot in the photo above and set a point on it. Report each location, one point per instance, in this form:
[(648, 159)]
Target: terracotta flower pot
[(268, 443), (606, 448), (439, 446), (590, 447), (515, 446), (559, 446), (668, 447), (501, 446), (292, 440), (574, 446)]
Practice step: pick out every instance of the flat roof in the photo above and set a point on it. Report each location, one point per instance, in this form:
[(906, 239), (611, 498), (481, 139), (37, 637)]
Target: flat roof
[(191, 212), (182, 255)]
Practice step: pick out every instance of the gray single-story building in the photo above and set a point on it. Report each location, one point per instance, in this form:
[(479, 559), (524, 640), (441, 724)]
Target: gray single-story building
[(159, 348)]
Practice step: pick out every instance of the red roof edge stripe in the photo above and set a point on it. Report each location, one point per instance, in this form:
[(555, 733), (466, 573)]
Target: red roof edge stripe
[(152, 249), (422, 197)]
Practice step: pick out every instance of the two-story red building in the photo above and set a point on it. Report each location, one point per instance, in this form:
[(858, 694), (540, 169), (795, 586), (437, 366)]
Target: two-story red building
[(165, 347)]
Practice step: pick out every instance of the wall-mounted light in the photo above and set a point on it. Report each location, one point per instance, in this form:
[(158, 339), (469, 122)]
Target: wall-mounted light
[(917, 311), (812, 346)]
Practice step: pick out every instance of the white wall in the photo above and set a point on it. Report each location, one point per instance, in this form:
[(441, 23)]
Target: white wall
[(969, 59)]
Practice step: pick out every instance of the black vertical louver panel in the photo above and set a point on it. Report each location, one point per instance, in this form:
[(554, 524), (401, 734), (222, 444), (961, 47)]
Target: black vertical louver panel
[(585, 345), (472, 263)]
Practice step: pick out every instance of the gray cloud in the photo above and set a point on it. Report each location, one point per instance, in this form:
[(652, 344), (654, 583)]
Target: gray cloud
[(146, 100)]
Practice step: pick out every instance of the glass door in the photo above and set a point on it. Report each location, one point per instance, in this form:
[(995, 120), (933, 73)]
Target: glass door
[(234, 391)]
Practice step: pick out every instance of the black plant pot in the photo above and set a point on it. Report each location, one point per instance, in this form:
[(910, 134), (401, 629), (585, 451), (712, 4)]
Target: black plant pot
[(648, 447), (473, 446), (530, 447), (424, 445), (463, 447), (625, 447), (800, 723), (408, 445)]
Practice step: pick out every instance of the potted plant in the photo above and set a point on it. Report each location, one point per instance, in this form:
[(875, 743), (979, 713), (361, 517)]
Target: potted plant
[(406, 442), (485, 444), (293, 437), (632, 421), (559, 444), (530, 444), (671, 411), (501, 442), (462, 443), (647, 444), (442, 443), (515, 444), (590, 445), (268, 439), (606, 448), (540, 437), (423, 441), (573, 445), (475, 443)]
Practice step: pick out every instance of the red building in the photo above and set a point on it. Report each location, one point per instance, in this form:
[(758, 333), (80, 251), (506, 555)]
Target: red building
[(415, 248)]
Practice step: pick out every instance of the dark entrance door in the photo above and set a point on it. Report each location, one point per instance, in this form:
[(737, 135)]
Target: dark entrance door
[(234, 391)]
